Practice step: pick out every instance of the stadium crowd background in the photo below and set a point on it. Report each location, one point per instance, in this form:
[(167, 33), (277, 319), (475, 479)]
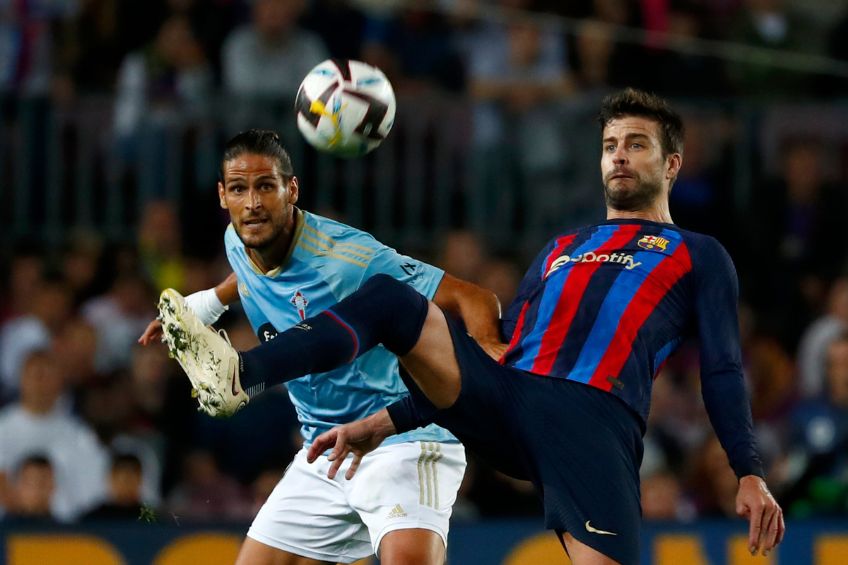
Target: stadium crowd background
[(113, 113)]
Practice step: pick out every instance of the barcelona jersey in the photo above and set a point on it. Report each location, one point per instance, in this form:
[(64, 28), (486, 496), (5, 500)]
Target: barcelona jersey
[(601, 304)]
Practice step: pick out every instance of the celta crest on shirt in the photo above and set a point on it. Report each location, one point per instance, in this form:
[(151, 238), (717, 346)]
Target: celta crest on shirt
[(299, 301)]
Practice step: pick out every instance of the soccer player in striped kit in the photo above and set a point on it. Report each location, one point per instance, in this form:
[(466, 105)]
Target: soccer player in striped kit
[(598, 312)]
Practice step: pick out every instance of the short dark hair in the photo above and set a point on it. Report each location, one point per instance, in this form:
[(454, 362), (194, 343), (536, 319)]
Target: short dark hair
[(632, 102), (40, 460), (128, 461), (260, 142)]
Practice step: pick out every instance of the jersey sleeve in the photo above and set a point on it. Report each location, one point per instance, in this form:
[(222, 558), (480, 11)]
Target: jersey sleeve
[(722, 380), (421, 276)]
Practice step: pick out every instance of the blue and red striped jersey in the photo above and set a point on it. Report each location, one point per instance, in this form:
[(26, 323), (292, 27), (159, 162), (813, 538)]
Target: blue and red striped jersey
[(607, 304)]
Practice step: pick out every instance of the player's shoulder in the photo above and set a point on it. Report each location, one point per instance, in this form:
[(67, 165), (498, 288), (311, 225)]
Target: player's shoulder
[(331, 239), (701, 242), (707, 252), (335, 230)]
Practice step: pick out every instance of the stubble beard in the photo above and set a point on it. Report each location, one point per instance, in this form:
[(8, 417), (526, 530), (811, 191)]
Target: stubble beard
[(265, 243), (640, 197)]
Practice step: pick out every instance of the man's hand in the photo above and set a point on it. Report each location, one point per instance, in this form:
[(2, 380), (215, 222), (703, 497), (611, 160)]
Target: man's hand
[(493, 348), (359, 437), (755, 503), (153, 332)]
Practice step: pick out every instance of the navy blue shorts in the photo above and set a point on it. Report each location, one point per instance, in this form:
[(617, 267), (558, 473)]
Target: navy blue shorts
[(580, 446)]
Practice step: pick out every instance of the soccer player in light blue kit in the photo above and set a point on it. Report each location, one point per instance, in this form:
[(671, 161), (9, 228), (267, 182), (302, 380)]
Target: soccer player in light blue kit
[(291, 264)]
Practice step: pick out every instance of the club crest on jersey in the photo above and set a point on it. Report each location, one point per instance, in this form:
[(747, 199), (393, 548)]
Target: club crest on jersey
[(653, 242), (243, 290), (299, 301)]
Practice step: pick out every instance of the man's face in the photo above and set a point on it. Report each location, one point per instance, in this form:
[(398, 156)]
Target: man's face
[(260, 200), (634, 171), (34, 489), (837, 372)]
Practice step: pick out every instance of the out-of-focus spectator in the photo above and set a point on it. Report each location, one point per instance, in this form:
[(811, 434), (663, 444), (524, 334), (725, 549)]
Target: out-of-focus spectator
[(812, 350), (262, 487), (502, 277), (36, 424), (513, 69), (76, 346), (124, 500), (599, 57), (119, 316), (791, 248), (160, 246), (770, 24), (91, 46), (462, 254), (819, 461), (167, 81), (266, 60), (712, 481), (340, 25), (771, 376), (672, 69), (211, 22), (417, 50), (519, 82), (26, 267), (111, 407), (31, 491), (80, 263), (205, 493), (49, 311), (662, 498), (699, 198), (27, 44)]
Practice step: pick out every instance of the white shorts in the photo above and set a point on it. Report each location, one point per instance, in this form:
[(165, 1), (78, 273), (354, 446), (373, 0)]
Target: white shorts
[(397, 487)]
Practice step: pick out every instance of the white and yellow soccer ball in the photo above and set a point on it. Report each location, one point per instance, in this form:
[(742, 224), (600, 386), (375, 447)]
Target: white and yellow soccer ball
[(345, 107)]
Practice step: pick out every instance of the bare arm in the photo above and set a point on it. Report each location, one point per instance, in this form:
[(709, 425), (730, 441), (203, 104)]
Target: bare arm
[(479, 309), (226, 291)]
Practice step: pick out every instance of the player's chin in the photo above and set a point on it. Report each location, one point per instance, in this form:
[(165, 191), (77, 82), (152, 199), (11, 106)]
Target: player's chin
[(255, 238)]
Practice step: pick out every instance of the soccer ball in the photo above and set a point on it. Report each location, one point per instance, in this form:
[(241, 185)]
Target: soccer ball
[(345, 107)]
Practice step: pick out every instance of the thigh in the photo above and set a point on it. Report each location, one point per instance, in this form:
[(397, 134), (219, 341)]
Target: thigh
[(432, 363), (308, 515), (484, 415), (418, 545), (409, 487), (253, 552)]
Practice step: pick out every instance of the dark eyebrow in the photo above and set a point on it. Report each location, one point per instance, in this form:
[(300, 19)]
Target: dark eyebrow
[(628, 136), (261, 178)]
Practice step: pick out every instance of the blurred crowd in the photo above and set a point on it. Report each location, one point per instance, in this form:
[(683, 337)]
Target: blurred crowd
[(95, 426), (151, 50)]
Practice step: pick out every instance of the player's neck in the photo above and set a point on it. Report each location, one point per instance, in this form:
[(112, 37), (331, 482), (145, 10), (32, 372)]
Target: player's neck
[(656, 213)]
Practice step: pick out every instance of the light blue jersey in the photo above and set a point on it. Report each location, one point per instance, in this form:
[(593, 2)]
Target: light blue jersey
[(327, 262)]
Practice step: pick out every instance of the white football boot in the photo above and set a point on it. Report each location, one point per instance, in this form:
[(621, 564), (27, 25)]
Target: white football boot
[(206, 356)]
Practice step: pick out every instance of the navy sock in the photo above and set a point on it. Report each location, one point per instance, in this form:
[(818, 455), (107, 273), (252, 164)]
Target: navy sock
[(383, 310)]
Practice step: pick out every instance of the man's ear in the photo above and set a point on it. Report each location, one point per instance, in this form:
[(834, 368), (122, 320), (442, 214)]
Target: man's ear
[(221, 200), (294, 190), (675, 162)]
